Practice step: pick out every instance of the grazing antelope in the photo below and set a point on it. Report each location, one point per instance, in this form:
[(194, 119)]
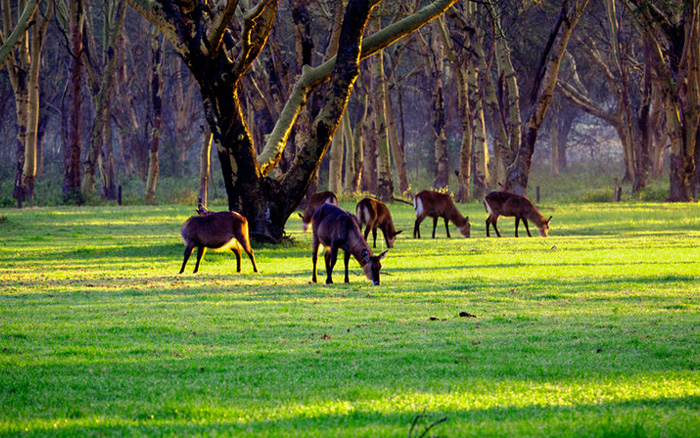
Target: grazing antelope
[(509, 204), (316, 200), (219, 231), (335, 229), (435, 205), (375, 214)]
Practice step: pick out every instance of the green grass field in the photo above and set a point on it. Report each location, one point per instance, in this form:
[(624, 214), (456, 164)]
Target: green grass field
[(594, 331)]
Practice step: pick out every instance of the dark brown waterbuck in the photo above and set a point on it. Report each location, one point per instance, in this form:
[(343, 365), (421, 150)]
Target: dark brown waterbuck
[(375, 214), (436, 205), (334, 229), (316, 200), (219, 231), (509, 204)]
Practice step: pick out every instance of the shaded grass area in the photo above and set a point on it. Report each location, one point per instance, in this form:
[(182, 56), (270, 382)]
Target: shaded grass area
[(591, 332)]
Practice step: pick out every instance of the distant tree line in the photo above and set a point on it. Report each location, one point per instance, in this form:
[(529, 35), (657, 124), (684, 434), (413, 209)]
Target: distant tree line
[(368, 90)]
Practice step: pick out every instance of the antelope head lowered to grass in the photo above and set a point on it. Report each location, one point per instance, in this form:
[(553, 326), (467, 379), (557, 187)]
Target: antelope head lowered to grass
[(216, 230), (335, 229), (509, 204)]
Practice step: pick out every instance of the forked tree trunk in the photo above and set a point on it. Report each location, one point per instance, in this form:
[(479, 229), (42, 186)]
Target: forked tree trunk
[(543, 89)]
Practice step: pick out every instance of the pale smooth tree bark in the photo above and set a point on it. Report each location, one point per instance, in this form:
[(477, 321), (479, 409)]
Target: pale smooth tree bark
[(22, 52), (205, 166)]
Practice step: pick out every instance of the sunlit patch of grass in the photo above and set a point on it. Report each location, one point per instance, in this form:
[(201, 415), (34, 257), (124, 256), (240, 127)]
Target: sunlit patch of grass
[(590, 332)]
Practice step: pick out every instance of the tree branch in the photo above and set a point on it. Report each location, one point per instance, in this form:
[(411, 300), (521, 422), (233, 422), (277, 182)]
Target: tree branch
[(253, 44), (18, 32), (312, 77), (221, 21)]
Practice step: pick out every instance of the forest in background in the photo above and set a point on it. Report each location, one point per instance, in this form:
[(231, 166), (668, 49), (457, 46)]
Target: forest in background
[(445, 107)]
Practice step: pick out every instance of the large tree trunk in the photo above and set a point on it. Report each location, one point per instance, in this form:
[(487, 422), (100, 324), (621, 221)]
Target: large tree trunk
[(543, 89), (71, 178), (267, 202)]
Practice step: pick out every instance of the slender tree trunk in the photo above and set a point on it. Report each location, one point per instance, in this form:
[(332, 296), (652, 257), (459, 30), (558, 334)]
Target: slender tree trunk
[(71, 179), (511, 91), (489, 101), (102, 94), (519, 172), (358, 144), (397, 147), (442, 159), (350, 165), (385, 180), (335, 168), (157, 44), (205, 167)]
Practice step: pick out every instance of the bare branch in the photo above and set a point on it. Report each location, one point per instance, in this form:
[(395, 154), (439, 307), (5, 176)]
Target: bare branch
[(19, 31), (216, 31)]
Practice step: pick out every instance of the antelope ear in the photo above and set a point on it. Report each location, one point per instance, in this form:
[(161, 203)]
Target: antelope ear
[(382, 255), (301, 215), (549, 220), (397, 233), (365, 255)]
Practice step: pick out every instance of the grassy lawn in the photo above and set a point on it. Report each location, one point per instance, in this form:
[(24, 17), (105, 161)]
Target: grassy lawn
[(594, 331)]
